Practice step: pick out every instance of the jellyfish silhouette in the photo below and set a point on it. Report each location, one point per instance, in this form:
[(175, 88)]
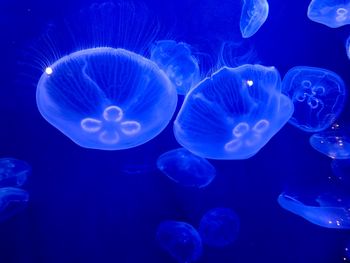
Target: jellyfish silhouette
[(219, 227), (178, 63), (13, 172), (334, 144), (233, 113), (332, 13), (108, 96), (253, 16), (180, 240), (318, 96), (12, 201), (329, 214), (186, 169)]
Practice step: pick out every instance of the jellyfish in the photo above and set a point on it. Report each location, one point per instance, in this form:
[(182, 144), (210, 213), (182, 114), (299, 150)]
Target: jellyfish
[(186, 169), (329, 213), (253, 16), (219, 227), (233, 113), (108, 96), (347, 47), (181, 240), (178, 63), (332, 13), (318, 96), (12, 201), (334, 144), (13, 172)]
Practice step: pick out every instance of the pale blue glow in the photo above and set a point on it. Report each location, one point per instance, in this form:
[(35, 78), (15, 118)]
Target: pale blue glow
[(13, 172), (318, 96), (253, 16), (180, 240), (106, 98), (325, 215), (178, 63), (186, 169), (332, 13), (334, 144), (224, 117), (219, 227)]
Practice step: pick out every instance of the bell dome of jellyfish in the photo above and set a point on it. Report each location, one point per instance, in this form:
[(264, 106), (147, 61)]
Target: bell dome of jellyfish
[(332, 212), (178, 63), (253, 16), (233, 113), (186, 169), (181, 240), (108, 97), (318, 96), (219, 227), (332, 143), (332, 13)]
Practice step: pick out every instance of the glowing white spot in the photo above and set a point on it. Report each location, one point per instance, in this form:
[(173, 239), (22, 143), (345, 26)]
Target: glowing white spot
[(48, 70), (330, 222), (250, 83)]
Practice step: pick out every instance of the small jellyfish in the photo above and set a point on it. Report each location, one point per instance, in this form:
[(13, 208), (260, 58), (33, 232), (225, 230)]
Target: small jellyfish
[(13, 172), (332, 13), (12, 201), (108, 95), (219, 227), (180, 240), (334, 144), (318, 96), (186, 169), (176, 60), (329, 213), (233, 113), (253, 16), (347, 47)]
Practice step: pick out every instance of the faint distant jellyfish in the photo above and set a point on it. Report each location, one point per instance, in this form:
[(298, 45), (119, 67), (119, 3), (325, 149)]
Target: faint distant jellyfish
[(334, 144), (253, 16), (13, 172), (176, 60), (219, 227), (234, 113), (327, 214), (318, 96), (332, 13), (12, 201), (186, 169), (180, 240), (108, 97)]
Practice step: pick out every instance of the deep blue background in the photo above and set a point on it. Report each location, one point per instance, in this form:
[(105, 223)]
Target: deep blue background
[(100, 206)]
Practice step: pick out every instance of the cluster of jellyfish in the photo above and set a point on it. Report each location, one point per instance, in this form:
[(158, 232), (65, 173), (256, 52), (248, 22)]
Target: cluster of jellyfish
[(123, 92)]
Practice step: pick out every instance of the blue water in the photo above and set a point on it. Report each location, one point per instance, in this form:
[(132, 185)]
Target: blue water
[(89, 205)]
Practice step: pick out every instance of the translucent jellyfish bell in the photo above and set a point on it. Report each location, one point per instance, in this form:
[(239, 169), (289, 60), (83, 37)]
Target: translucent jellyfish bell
[(186, 169), (329, 214), (108, 97), (234, 113), (13, 172), (178, 63), (332, 13), (180, 240), (253, 16), (219, 227), (318, 96), (334, 144)]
